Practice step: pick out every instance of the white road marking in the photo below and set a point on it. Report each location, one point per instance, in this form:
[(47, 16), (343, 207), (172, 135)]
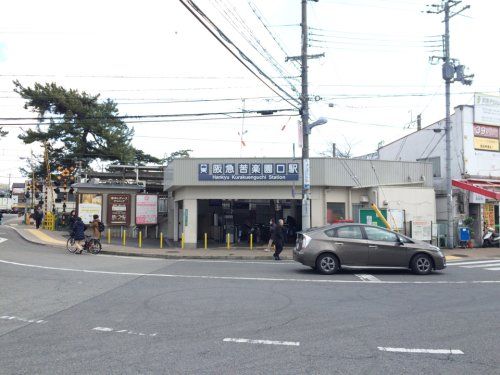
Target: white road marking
[(425, 351), (472, 262), (2, 239), (367, 277), (493, 269), (107, 329), (207, 277), (8, 317), (265, 342), (492, 264)]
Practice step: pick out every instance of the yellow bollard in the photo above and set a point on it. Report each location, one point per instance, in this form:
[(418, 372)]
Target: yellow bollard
[(251, 241), (228, 241), (206, 241), (124, 239), (140, 239), (109, 236), (182, 240), (161, 240)]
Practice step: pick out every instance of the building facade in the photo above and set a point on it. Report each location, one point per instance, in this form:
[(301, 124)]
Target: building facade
[(234, 197), (475, 162)]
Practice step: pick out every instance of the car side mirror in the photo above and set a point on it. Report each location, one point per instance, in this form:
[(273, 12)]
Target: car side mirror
[(400, 242)]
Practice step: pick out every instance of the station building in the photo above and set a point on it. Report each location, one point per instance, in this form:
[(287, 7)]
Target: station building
[(238, 196)]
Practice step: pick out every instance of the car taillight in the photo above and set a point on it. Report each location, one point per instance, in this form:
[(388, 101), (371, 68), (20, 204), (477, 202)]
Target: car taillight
[(305, 241)]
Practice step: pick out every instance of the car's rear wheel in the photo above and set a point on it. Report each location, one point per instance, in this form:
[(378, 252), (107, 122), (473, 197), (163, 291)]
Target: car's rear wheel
[(421, 264), (327, 264)]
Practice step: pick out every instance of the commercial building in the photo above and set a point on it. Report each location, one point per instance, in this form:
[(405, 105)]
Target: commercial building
[(236, 197), (475, 162)]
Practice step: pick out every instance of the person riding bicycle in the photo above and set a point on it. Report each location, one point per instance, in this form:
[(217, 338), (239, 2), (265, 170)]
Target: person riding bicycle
[(78, 234)]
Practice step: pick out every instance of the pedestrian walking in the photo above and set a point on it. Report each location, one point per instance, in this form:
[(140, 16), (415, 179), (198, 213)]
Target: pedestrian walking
[(272, 225), (79, 234), (278, 239), (96, 226), (38, 216)]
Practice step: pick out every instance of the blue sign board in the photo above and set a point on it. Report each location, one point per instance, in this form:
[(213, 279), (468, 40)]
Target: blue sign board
[(248, 171)]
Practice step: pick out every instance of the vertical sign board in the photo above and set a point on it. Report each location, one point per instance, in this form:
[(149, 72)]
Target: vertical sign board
[(118, 209), (489, 215), (88, 206), (146, 209)]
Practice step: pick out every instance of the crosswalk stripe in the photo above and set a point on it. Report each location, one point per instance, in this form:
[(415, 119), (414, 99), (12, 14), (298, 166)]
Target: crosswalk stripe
[(473, 262), (483, 265), (493, 269)]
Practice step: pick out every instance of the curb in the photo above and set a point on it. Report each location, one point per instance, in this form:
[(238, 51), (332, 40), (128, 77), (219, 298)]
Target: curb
[(25, 238), (204, 257)]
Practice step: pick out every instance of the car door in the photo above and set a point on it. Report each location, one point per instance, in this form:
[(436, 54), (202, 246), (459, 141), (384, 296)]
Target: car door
[(349, 245), (385, 249)]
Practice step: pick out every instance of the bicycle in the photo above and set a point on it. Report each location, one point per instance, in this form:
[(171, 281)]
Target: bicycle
[(91, 245)]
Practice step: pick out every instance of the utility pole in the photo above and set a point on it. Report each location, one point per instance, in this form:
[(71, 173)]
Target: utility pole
[(304, 99), (450, 69), (304, 113)]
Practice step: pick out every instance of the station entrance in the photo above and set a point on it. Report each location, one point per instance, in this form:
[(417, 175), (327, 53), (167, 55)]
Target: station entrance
[(242, 217)]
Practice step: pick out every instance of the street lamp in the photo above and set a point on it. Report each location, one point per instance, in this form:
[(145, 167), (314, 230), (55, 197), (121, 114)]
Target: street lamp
[(306, 172)]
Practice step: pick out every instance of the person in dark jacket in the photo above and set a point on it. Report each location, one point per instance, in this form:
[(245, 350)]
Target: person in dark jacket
[(278, 239), (38, 216), (79, 234), (272, 225), (71, 220)]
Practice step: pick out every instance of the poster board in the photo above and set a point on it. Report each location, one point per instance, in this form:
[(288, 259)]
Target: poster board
[(421, 230), (146, 209), (118, 209), (88, 206)]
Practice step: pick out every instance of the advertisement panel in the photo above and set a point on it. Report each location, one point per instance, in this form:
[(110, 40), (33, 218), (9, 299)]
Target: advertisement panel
[(146, 209), (487, 109), (486, 138), (88, 206), (118, 209)]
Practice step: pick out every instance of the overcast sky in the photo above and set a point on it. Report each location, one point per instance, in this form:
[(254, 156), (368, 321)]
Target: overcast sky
[(154, 57)]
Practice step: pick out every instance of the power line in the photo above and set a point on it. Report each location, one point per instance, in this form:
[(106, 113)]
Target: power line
[(168, 120), (222, 38)]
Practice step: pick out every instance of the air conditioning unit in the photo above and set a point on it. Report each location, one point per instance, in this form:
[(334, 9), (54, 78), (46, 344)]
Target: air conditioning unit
[(364, 199)]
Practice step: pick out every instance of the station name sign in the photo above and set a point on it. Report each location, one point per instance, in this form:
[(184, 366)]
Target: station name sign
[(248, 171)]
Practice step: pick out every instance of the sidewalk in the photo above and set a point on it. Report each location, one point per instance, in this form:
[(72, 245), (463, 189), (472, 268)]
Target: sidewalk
[(151, 248)]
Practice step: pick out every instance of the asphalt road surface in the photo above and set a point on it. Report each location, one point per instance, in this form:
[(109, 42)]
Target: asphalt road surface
[(62, 313)]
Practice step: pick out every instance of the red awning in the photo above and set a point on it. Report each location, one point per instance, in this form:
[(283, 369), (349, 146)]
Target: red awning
[(481, 187)]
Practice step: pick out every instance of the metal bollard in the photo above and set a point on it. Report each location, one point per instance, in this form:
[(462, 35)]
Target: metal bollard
[(182, 240), (109, 235), (251, 241), (124, 239), (228, 241), (161, 240), (140, 239), (206, 241)]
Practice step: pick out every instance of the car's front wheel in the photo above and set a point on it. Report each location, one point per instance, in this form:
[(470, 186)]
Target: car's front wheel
[(327, 264), (421, 264)]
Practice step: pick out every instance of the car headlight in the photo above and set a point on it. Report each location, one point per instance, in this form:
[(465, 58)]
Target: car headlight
[(306, 241)]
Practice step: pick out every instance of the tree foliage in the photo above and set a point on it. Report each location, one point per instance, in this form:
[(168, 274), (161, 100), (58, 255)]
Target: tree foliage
[(79, 126)]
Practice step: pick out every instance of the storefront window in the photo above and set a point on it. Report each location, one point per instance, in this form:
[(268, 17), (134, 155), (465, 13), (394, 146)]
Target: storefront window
[(335, 211)]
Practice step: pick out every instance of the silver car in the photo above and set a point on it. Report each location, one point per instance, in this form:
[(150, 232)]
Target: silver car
[(330, 248)]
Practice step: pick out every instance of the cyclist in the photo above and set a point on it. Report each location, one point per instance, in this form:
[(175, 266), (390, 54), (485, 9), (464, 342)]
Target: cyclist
[(78, 234)]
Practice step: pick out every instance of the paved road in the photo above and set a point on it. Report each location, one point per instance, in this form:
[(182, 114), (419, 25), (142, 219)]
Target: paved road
[(62, 313)]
